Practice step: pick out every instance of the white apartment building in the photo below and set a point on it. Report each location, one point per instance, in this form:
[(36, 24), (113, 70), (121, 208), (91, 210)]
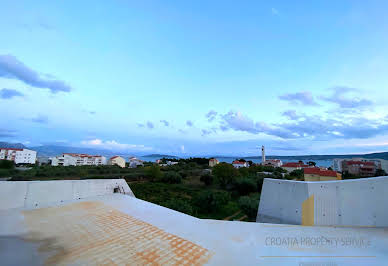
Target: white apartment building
[(134, 162), (117, 160), (19, 156), (380, 163), (337, 165), (77, 159)]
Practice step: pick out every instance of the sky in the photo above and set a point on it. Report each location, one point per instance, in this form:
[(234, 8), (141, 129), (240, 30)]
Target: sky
[(196, 77)]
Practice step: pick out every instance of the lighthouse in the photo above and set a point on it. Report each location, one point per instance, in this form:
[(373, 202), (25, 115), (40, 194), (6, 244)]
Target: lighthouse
[(262, 154)]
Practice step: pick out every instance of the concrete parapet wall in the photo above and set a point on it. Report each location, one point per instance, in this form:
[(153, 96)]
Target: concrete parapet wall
[(29, 194), (356, 202)]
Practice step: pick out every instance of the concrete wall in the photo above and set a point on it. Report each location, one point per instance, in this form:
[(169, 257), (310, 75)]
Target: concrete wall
[(356, 202), (37, 193)]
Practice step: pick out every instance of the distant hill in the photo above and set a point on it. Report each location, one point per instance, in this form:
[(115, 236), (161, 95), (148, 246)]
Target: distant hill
[(161, 156), (53, 150), (12, 145)]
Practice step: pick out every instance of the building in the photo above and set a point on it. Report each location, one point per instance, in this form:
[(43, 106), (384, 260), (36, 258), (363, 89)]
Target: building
[(213, 162), (359, 168), (117, 160), (76, 159), (273, 162), (134, 162), (319, 174), (19, 156), (337, 165), (263, 154), (380, 163), (239, 164), (289, 167)]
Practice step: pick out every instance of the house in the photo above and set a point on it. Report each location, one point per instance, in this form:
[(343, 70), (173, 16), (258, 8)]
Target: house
[(18, 156), (359, 168), (134, 162), (117, 160), (339, 163), (273, 162), (77, 159), (319, 174), (239, 164), (213, 162), (289, 167)]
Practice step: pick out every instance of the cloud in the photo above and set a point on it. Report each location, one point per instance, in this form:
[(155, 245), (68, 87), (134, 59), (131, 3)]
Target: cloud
[(182, 148), (211, 115), (189, 123), (304, 97), (40, 119), (11, 67), (313, 127), (291, 114), (205, 132), (274, 11), (9, 93), (165, 122), (114, 145), (237, 121), (92, 112), (150, 125), (344, 97), (5, 133)]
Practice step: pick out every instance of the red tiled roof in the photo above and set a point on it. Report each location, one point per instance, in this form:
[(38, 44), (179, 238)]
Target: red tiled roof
[(11, 149), (114, 157), (238, 162), (318, 171), (359, 162), (295, 165)]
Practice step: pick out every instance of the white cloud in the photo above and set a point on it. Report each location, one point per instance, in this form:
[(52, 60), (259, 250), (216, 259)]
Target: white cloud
[(114, 145)]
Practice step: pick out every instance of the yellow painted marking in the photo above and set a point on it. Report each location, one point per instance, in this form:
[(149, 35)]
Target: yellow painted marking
[(308, 211)]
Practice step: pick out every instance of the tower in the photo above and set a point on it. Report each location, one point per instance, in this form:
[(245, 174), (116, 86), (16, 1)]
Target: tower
[(262, 154)]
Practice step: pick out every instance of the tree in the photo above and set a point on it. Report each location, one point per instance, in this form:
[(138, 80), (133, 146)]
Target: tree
[(243, 171), (153, 172), (245, 186), (207, 179), (225, 173), (311, 163), (179, 205), (249, 206), (297, 173), (171, 177), (5, 164), (209, 201)]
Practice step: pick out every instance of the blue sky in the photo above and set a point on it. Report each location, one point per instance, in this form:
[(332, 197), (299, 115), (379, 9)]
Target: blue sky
[(196, 77)]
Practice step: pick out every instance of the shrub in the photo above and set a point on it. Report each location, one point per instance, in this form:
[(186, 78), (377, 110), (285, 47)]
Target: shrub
[(208, 201), (171, 177), (245, 186), (207, 179), (179, 205), (5, 164), (153, 172), (249, 206), (225, 173)]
